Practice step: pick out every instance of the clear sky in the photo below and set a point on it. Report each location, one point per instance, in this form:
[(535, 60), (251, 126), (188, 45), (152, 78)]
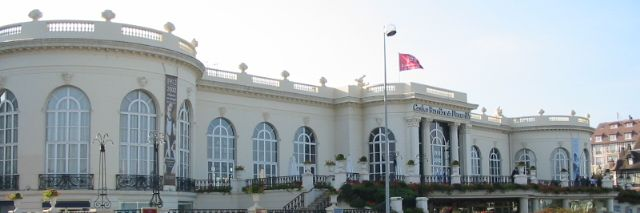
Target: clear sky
[(520, 55)]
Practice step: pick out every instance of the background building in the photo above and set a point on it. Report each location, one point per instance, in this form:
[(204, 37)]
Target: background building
[(612, 138)]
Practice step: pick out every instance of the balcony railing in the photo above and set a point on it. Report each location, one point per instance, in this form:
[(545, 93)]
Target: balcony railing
[(321, 181), (351, 177), (185, 184), (381, 177), (211, 185), (476, 179), (135, 182), (9, 182), (66, 181), (282, 182), (435, 179)]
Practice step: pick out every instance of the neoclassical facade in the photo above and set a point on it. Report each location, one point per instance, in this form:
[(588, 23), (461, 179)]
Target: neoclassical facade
[(64, 82)]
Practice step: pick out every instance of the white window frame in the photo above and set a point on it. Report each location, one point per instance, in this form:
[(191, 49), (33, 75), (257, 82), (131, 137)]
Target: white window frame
[(598, 138), (305, 149), (184, 143), (613, 137), (630, 124), (67, 123), (8, 134), (265, 151), (527, 156), (377, 154), (221, 149), (495, 166), (559, 161), (135, 127), (613, 126), (628, 136), (475, 161), (439, 154)]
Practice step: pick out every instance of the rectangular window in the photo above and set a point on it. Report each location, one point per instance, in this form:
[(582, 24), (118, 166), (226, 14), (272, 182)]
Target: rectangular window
[(613, 126), (598, 149), (598, 138), (627, 136), (599, 161), (612, 137), (629, 125), (612, 148)]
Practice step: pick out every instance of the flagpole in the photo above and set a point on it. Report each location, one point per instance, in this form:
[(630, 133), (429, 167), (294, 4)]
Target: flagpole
[(389, 31)]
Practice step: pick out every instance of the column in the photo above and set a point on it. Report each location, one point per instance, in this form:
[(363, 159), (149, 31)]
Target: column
[(536, 205), (566, 203), (426, 145), (413, 123), (524, 205), (610, 204), (454, 141)]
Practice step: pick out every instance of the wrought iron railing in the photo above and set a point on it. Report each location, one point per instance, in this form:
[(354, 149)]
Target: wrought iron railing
[(207, 210), (136, 182), (9, 182), (65, 181), (442, 179), (127, 211), (281, 182), (210, 185), (358, 211), (381, 177), (482, 179), (351, 177), (185, 184)]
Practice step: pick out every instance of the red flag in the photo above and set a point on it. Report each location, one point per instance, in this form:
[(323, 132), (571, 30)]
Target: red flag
[(408, 62)]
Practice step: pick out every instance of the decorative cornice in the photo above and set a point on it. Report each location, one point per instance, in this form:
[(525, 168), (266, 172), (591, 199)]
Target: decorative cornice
[(101, 45), (255, 92)]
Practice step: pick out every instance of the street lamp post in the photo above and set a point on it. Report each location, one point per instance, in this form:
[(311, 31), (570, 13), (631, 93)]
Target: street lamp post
[(156, 138), (389, 31)]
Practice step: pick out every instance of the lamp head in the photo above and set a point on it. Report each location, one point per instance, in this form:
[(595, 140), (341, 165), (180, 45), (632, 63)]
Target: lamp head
[(390, 30)]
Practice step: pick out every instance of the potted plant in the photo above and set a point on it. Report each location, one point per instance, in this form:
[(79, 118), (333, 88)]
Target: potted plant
[(532, 170), (333, 195), (15, 197), (239, 171), (340, 163), (330, 164), (50, 195), (255, 190), (362, 159), (455, 163), (411, 163), (340, 157)]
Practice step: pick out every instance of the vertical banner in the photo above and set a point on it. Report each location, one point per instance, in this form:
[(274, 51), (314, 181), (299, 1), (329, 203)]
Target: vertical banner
[(170, 101), (575, 149)]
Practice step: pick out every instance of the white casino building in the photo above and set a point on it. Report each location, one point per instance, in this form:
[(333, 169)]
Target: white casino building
[(65, 81)]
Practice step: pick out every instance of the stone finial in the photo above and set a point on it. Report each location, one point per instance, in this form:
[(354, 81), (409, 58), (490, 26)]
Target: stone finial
[(169, 27), (285, 74), (35, 15), (588, 115), (323, 81), (108, 15), (484, 110), (541, 112), (499, 112), (194, 42), (66, 77), (243, 67), (573, 113)]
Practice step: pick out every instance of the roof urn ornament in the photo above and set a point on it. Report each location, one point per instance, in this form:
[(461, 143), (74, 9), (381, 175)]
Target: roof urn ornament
[(194, 42), (541, 112), (243, 67), (499, 112), (573, 113), (108, 15), (285, 74), (323, 81), (484, 110), (169, 27), (588, 115), (35, 15)]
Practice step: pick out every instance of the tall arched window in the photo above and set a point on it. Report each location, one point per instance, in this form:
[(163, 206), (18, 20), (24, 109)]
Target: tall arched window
[(8, 137), (475, 160), (221, 149), (377, 154), (137, 120), (68, 121), (304, 149), (584, 163), (439, 150), (560, 161), (184, 143), (527, 156), (265, 151), (494, 163)]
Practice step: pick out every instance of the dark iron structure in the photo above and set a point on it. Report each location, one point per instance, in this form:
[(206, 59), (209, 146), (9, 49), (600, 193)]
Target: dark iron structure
[(156, 138), (102, 201)]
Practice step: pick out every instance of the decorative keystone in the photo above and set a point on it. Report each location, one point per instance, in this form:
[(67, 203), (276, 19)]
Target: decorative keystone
[(243, 67), (285, 74), (323, 81), (169, 27), (108, 15), (35, 15)]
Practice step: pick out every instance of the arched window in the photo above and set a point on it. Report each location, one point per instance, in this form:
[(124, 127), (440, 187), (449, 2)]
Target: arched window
[(527, 156), (377, 154), (475, 160), (8, 136), (68, 121), (439, 149), (494, 163), (137, 120), (221, 149), (559, 162), (304, 149), (584, 163), (265, 151), (184, 143)]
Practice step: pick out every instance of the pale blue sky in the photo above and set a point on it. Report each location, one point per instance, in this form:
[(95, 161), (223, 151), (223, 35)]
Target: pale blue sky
[(520, 55)]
